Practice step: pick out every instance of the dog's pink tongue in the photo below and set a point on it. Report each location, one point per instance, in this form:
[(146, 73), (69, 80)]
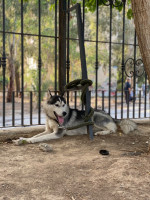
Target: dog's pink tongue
[(60, 120)]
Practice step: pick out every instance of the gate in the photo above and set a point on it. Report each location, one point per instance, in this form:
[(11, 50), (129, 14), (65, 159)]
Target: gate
[(29, 49)]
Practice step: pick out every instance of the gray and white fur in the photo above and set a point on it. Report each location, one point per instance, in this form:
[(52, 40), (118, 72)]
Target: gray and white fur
[(59, 116)]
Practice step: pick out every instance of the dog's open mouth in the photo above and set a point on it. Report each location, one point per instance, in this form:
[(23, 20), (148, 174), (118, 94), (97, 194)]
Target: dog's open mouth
[(60, 119)]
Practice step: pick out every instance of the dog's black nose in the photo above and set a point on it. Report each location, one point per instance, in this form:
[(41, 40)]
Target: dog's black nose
[(64, 113)]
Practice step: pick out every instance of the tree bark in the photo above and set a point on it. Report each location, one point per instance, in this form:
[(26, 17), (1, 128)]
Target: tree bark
[(141, 14), (17, 78), (11, 75)]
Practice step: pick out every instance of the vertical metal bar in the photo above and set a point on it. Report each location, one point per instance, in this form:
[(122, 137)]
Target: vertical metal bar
[(134, 97), (31, 107), (87, 110), (103, 98), (83, 24), (13, 108), (55, 46), (82, 106), (128, 104), (122, 65), (83, 21), (96, 63), (116, 104), (22, 67), (145, 96), (139, 103), (68, 61), (110, 52), (134, 77), (75, 97), (81, 42), (39, 65), (4, 63), (62, 45)]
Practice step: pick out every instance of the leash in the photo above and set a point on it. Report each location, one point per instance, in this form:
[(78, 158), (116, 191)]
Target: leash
[(78, 126), (76, 84)]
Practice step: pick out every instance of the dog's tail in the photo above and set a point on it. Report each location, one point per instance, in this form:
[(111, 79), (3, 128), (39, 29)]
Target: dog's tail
[(126, 125)]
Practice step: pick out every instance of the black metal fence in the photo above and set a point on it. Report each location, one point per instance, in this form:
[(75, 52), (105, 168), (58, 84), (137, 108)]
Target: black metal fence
[(109, 46)]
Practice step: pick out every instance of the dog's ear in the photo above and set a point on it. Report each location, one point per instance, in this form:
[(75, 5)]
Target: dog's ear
[(49, 94)]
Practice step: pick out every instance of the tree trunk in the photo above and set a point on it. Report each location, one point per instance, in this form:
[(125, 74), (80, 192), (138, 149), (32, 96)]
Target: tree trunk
[(17, 78), (11, 74), (141, 14)]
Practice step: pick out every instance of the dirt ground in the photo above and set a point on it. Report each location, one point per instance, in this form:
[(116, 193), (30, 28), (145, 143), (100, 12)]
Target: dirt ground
[(75, 170)]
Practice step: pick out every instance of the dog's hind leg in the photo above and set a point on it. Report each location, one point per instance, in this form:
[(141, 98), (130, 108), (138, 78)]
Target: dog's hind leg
[(107, 129), (102, 132)]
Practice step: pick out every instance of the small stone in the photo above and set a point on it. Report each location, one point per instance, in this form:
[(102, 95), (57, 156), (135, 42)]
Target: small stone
[(45, 147)]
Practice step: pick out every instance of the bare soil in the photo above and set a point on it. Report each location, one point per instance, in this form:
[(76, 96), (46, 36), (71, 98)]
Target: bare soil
[(75, 170)]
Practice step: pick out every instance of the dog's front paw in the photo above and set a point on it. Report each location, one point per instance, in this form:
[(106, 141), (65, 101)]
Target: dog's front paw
[(20, 141)]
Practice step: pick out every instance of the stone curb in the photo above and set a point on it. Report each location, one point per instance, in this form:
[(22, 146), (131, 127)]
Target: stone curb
[(16, 132), (142, 121)]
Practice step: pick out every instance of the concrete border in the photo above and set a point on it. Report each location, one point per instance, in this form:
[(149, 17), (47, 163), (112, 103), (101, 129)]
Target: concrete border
[(142, 121), (16, 132)]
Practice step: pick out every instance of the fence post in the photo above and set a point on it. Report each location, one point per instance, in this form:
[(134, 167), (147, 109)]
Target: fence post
[(62, 45)]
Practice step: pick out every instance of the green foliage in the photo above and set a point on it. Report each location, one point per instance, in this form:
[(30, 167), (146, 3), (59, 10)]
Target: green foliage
[(35, 83), (31, 43), (13, 23), (1, 82), (130, 13), (140, 80), (91, 5)]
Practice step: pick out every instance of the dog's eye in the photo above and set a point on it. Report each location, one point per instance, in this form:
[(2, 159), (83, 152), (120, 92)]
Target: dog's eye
[(63, 105), (56, 105)]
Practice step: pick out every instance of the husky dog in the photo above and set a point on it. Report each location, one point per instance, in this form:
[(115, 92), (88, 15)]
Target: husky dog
[(59, 117)]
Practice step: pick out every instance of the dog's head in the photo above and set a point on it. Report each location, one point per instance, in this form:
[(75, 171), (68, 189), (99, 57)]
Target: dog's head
[(56, 107)]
